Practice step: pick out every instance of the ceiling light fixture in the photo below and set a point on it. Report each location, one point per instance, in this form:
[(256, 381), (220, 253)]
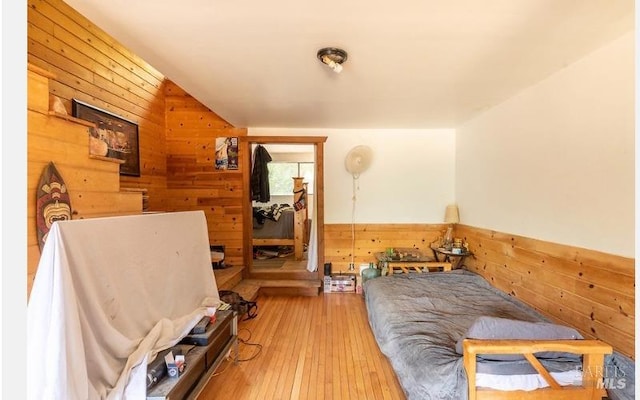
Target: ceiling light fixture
[(333, 57)]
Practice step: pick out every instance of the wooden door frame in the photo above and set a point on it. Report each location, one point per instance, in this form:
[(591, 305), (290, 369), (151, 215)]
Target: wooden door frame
[(247, 211)]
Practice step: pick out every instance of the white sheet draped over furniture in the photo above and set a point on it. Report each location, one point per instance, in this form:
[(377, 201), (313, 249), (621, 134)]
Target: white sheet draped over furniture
[(109, 294)]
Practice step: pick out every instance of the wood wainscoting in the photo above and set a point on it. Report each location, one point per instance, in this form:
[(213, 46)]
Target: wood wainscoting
[(373, 238), (591, 291)]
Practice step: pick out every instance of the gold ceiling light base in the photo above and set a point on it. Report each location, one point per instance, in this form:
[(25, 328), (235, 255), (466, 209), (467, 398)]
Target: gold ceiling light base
[(333, 57)]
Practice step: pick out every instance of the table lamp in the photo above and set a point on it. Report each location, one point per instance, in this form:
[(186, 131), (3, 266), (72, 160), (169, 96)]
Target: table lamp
[(451, 217)]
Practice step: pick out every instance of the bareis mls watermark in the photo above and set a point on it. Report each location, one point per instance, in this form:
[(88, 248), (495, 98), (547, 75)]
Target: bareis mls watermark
[(612, 377)]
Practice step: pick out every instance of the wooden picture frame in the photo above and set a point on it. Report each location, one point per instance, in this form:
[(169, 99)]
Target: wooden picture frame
[(113, 136)]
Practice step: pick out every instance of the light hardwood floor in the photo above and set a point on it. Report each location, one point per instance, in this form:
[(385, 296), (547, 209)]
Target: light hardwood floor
[(312, 348)]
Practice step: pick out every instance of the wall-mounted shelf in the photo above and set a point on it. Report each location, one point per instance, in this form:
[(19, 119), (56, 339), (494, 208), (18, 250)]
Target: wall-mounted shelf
[(72, 119), (145, 196), (109, 159)]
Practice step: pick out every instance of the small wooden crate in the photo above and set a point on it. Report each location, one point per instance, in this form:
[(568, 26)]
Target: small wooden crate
[(343, 283)]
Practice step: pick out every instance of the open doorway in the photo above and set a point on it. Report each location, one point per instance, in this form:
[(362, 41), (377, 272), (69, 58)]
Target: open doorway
[(284, 239), (282, 222)]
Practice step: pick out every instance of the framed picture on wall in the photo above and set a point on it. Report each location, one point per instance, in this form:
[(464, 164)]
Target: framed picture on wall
[(113, 136)]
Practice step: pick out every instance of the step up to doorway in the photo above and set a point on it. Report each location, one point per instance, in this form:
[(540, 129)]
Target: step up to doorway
[(227, 278), (292, 287), (230, 278), (248, 289)]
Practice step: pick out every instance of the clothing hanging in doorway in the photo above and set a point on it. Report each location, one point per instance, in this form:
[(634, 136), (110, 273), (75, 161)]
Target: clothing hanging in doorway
[(260, 175)]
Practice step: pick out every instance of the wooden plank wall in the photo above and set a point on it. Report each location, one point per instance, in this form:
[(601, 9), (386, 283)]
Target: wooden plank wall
[(193, 183), (93, 67), (373, 238), (592, 291), (86, 63), (93, 184)]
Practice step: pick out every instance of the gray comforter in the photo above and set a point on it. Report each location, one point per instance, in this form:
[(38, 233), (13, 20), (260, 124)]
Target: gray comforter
[(418, 318), (281, 229)]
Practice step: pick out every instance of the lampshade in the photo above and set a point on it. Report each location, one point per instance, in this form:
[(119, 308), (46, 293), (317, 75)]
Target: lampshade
[(451, 215)]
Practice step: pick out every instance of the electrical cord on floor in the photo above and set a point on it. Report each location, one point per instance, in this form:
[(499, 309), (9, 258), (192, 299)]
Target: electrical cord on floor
[(221, 372), (243, 341), (246, 342)]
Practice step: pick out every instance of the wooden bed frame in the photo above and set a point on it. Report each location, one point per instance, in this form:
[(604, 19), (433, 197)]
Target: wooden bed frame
[(300, 223), (593, 352)]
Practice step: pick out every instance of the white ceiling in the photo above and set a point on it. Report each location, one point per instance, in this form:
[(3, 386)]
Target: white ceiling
[(411, 63)]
